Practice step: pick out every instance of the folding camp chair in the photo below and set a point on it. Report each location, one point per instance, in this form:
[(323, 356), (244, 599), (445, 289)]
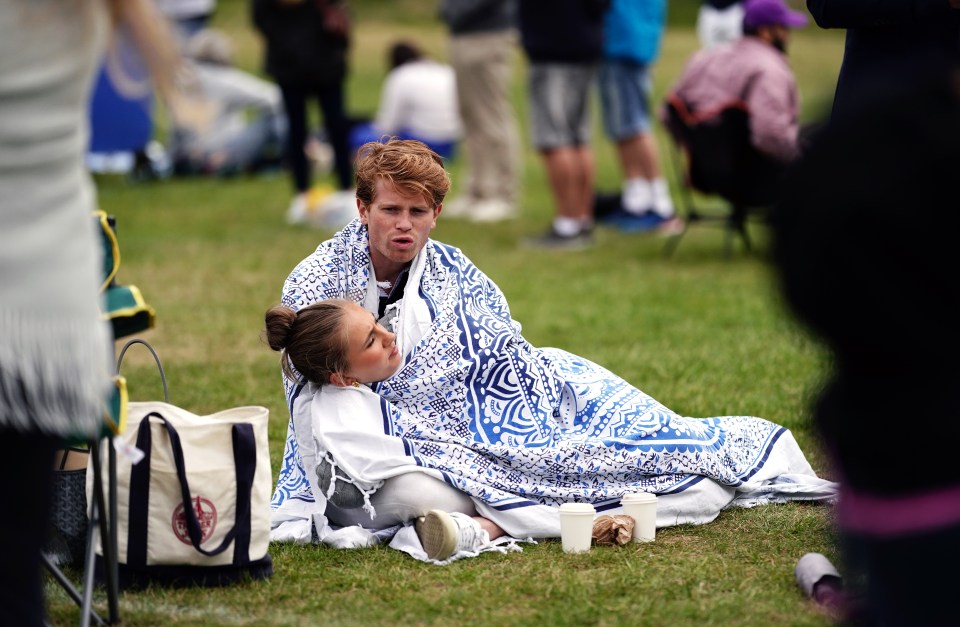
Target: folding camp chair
[(718, 159), (124, 307)]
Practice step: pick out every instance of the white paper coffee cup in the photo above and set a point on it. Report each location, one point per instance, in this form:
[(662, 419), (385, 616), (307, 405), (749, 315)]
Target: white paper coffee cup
[(642, 507), (576, 526)]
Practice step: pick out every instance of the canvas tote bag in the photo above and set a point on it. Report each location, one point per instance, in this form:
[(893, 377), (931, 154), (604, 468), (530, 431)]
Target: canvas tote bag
[(195, 510)]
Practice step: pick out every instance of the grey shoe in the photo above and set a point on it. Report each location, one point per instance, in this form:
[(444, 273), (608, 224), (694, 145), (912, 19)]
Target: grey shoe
[(812, 569), (555, 241)]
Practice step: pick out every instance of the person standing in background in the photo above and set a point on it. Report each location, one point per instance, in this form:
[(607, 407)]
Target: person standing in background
[(482, 40), (55, 347), (719, 22), (880, 292), (563, 41), (306, 53), (881, 32), (632, 33)]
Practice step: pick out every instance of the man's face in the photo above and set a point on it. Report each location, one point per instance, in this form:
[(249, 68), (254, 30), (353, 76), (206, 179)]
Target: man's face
[(398, 226), (780, 38)]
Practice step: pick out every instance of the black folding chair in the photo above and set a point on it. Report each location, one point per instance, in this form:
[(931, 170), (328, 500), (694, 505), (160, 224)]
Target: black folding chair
[(128, 314), (718, 159)]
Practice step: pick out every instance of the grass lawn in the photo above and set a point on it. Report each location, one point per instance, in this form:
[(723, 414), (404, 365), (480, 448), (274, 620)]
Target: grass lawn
[(704, 335)]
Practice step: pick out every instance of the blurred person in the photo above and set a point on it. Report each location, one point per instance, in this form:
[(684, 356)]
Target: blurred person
[(418, 101), (632, 33), (188, 17), (306, 54), (881, 32), (483, 38), (719, 22), (880, 291), (229, 121), (563, 41), (55, 348), (754, 71)]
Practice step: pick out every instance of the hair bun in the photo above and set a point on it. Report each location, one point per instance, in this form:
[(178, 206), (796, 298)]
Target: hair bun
[(279, 323)]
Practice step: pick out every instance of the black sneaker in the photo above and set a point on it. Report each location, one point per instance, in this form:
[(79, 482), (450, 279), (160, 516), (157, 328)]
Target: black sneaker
[(555, 241)]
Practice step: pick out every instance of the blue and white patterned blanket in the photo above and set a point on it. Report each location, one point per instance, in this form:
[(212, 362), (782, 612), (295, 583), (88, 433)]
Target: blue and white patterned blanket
[(515, 426)]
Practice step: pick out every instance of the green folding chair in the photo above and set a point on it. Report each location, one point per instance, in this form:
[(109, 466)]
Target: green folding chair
[(128, 313)]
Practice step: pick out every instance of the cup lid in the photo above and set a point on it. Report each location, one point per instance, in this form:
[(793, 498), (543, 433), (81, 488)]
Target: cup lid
[(638, 497), (577, 508)]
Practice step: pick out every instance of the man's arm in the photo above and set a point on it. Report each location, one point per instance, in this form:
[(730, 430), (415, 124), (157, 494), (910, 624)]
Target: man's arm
[(773, 103)]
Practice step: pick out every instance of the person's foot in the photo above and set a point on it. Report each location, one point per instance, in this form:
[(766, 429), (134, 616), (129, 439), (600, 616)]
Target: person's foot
[(491, 210), (459, 207), (443, 535), (672, 226), (634, 222), (299, 209), (820, 580), (555, 241)]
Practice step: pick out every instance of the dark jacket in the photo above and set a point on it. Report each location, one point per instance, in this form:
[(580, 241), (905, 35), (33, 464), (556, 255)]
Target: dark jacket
[(478, 16), (299, 48), (880, 32), (562, 31)]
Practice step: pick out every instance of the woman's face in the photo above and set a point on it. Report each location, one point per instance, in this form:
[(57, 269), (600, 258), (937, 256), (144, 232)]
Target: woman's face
[(372, 353)]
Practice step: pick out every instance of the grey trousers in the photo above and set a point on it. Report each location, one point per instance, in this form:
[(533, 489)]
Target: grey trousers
[(400, 500)]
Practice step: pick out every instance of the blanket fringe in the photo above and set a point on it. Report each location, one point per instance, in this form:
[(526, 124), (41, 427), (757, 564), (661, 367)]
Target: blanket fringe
[(54, 373)]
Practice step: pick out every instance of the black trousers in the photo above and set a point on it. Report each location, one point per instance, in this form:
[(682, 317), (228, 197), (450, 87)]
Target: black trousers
[(335, 122), (26, 478)]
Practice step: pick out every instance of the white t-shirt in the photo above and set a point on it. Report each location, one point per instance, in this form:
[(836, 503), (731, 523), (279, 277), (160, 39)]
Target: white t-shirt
[(420, 98)]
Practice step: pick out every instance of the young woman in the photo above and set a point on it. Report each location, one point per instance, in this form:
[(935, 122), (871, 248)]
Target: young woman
[(338, 343)]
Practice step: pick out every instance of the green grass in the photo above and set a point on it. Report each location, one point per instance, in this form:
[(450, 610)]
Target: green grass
[(704, 335)]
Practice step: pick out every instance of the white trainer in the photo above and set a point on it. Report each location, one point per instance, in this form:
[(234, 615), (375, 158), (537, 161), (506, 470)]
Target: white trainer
[(459, 207), (443, 535), (492, 210), (299, 209)]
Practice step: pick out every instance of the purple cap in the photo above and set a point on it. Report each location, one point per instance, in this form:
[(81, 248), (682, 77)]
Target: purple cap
[(771, 13)]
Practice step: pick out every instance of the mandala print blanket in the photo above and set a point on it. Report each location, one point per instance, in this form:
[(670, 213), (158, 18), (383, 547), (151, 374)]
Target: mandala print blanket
[(523, 429)]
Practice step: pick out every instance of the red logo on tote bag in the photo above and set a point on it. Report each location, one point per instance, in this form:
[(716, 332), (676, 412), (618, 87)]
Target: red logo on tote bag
[(206, 516)]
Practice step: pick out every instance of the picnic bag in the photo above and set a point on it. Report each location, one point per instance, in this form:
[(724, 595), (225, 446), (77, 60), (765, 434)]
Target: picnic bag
[(195, 510)]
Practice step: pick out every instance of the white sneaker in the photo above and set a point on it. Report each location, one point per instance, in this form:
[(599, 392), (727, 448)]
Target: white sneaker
[(459, 207), (443, 535), (492, 210), (336, 209), (299, 209)]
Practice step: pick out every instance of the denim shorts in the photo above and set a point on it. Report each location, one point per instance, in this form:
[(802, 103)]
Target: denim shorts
[(559, 97), (625, 88)]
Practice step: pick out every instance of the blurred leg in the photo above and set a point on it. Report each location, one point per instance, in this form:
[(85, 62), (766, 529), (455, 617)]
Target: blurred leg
[(295, 104), (26, 469), (338, 132)]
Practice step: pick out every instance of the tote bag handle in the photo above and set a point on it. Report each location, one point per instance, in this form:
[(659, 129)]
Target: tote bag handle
[(244, 458)]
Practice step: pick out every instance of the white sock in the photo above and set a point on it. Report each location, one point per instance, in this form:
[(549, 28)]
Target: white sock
[(662, 202), (637, 195), (567, 227)]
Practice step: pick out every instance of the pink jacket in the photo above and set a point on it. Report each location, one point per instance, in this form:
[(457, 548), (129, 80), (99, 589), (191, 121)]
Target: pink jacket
[(756, 73)]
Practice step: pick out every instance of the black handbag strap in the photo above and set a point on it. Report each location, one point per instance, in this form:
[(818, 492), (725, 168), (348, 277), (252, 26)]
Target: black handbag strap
[(244, 458)]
